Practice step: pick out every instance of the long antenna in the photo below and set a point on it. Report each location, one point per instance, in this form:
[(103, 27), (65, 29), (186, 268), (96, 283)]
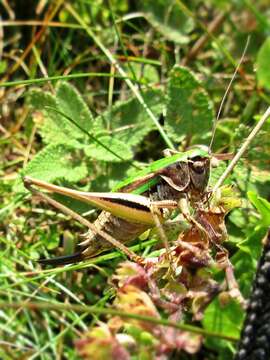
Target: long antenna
[(226, 93)]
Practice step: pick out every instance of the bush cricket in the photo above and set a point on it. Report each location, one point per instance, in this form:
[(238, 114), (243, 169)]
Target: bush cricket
[(140, 202), (166, 184)]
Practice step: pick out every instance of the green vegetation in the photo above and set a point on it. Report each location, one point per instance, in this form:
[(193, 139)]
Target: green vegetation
[(90, 92)]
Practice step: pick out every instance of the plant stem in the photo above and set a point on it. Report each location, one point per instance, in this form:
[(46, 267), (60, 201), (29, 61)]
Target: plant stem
[(242, 149), (58, 77), (122, 73), (105, 311)]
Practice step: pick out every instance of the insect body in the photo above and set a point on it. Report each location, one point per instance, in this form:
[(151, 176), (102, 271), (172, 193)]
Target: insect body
[(129, 212)]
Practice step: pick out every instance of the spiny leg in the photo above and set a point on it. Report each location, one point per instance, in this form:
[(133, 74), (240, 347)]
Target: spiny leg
[(85, 222), (183, 206), (155, 206), (232, 285)]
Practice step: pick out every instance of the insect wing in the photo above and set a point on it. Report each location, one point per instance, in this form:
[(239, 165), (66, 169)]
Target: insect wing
[(144, 179), (177, 175), (141, 185)]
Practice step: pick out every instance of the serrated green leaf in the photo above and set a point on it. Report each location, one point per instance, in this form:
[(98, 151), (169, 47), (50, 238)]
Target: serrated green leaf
[(71, 103), (52, 127), (262, 205), (129, 122), (189, 108), (167, 18), (55, 162), (56, 128), (97, 152), (38, 99), (263, 69)]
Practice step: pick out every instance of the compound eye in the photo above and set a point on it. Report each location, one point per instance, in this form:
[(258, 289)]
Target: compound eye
[(198, 166), (199, 172)]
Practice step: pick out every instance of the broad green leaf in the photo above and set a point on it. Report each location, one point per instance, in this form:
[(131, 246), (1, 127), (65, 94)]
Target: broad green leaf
[(53, 127), (245, 259), (189, 108), (129, 122), (144, 72), (263, 69), (252, 245), (98, 152), (167, 18), (262, 205), (38, 101), (238, 218), (224, 319), (71, 103), (55, 162)]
